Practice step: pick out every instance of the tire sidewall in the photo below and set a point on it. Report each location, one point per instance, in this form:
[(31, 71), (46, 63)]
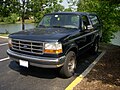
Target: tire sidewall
[(95, 46), (64, 70)]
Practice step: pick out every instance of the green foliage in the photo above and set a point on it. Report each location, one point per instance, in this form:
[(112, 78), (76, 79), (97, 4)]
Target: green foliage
[(107, 11), (1, 19), (8, 6), (35, 8), (9, 10), (13, 17), (68, 10), (38, 8), (10, 19)]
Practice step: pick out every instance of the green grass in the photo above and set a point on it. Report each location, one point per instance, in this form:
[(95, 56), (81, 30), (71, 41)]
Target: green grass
[(3, 23), (26, 21), (4, 35)]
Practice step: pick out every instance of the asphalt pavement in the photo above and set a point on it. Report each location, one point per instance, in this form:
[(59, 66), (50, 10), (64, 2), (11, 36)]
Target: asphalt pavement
[(14, 77)]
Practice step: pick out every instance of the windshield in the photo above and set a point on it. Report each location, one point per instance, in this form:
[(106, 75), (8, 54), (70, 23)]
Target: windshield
[(67, 21)]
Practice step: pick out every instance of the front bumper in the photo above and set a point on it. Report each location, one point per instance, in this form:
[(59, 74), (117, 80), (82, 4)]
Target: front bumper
[(44, 62)]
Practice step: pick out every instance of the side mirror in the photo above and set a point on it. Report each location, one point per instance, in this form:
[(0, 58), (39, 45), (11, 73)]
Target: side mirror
[(89, 27)]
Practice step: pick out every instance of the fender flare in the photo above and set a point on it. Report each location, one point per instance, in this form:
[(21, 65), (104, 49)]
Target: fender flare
[(73, 47)]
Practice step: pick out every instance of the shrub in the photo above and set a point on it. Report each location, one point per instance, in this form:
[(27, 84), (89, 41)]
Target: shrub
[(10, 19)]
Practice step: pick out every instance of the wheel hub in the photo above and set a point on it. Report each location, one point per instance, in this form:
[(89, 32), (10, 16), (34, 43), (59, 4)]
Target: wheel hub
[(71, 65)]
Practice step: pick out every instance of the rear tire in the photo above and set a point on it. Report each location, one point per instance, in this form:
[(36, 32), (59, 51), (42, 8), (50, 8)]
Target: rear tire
[(95, 46), (68, 69)]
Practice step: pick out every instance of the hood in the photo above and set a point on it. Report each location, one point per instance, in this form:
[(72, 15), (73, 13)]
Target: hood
[(44, 34)]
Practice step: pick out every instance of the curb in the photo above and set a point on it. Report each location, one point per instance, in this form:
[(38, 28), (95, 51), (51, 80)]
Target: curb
[(81, 76)]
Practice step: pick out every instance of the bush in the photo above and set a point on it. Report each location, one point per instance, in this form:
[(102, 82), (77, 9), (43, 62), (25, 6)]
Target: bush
[(1, 19), (13, 18), (10, 19)]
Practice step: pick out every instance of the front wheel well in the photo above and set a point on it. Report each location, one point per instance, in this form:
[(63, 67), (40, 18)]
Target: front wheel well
[(74, 49), (97, 38)]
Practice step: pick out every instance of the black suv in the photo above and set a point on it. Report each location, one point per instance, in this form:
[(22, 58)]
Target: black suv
[(56, 41)]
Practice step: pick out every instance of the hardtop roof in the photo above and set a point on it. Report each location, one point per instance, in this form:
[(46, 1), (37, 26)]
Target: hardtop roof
[(77, 13)]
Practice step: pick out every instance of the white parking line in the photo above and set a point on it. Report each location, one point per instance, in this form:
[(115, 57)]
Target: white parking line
[(4, 59), (3, 44)]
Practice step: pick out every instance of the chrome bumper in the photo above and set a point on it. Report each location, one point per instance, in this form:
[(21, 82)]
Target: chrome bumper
[(44, 62)]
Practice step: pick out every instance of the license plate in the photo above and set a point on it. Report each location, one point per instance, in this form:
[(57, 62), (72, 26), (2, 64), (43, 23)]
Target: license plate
[(23, 63)]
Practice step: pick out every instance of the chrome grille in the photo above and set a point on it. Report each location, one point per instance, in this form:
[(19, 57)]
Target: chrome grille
[(27, 46)]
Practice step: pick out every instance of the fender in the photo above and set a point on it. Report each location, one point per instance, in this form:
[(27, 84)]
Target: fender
[(70, 47)]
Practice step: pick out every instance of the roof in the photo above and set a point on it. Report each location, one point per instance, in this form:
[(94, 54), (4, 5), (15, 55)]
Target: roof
[(78, 13)]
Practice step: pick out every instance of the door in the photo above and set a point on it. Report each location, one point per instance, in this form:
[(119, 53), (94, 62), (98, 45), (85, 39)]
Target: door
[(85, 31)]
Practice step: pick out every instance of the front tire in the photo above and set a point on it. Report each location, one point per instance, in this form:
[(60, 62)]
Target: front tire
[(68, 69)]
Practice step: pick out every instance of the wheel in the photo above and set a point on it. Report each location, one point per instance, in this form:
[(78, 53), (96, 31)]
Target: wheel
[(95, 46), (68, 69)]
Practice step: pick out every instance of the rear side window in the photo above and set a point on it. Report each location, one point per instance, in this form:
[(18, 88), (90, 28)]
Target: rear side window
[(94, 19)]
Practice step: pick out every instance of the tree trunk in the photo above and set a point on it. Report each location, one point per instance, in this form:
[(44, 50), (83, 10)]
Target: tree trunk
[(23, 14)]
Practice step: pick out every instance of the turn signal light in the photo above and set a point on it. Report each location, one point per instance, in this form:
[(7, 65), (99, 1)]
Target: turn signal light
[(53, 51)]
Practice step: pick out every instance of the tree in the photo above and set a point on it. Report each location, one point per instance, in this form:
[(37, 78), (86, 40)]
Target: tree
[(68, 10), (41, 7), (8, 11), (8, 6), (109, 13), (72, 5), (27, 8)]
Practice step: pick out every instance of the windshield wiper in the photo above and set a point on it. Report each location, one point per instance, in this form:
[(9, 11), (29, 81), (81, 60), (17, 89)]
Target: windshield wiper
[(70, 27), (41, 26), (58, 26)]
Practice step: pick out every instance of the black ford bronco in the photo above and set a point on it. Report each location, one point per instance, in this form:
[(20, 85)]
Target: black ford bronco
[(56, 42)]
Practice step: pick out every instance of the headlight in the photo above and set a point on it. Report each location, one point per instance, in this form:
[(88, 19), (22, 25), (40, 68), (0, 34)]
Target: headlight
[(53, 48), (10, 42)]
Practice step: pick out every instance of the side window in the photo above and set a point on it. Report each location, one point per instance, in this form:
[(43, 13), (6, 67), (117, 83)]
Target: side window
[(85, 22), (94, 19)]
